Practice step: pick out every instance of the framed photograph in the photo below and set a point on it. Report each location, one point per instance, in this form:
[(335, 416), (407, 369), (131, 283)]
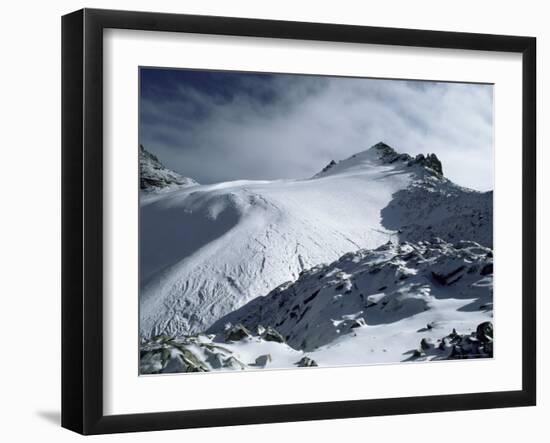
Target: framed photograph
[(268, 221)]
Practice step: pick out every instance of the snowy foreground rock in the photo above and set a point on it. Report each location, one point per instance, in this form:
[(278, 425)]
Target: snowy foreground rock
[(208, 250), (399, 302)]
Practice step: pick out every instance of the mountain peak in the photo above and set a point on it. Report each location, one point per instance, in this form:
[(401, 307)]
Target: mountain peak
[(430, 161), (154, 176), (389, 155), (384, 153), (383, 148)]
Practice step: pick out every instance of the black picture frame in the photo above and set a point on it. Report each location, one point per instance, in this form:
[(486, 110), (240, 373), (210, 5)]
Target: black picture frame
[(82, 218)]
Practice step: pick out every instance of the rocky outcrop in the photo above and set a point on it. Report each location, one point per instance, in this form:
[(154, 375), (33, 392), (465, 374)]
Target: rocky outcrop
[(271, 334), (168, 355), (429, 161), (388, 155), (154, 176), (477, 344), (306, 362), (369, 287), (432, 206), (205, 353), (237, 333), (262, 360), (329, 166)]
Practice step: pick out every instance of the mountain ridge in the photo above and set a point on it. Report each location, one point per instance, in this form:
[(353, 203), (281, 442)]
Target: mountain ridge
[(376, 287), (155, 177), (386, 155)]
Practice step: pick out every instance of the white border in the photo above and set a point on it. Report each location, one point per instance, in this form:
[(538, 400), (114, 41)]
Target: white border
[(125, 392)]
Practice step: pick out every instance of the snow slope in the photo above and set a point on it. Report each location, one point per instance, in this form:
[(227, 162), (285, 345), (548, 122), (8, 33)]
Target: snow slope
[(397, 303), (373, 306), (206, 250), (434, 207)]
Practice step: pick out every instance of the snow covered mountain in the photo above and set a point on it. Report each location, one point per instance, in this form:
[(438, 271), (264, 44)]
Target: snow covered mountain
[(399, 302), (154, 176), (382, 296), (207, 250)]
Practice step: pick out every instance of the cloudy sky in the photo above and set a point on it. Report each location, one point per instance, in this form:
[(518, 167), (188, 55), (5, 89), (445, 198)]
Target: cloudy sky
[(219, 126)]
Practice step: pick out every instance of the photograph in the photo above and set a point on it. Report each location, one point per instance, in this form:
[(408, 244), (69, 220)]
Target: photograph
[(243, 222), (290, 221)]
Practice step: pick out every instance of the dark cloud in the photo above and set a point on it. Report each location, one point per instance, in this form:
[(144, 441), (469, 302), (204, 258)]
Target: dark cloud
[(217, 126)]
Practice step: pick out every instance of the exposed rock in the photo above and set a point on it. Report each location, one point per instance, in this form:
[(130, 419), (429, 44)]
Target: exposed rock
[(478, 344), (271, 334), (487, 269), (233, 363), (154, 176), (430, 161), (306, 362), (151, 363), (175, 365), (237, 333), (168, 355), (432, 206), (427, 344), (484, 331), (308, 323), (214, 359), (327, 167), (388, 155), (449, 278), (262, 360)]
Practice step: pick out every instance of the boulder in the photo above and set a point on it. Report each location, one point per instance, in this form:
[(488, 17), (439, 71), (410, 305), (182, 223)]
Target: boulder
[(263, 360), (233, 363), (434, 163), (175, 365), (271, 334), (237, 333), (214, 359), (484, 331), (478, 344), (306, 362), (427, 344)]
